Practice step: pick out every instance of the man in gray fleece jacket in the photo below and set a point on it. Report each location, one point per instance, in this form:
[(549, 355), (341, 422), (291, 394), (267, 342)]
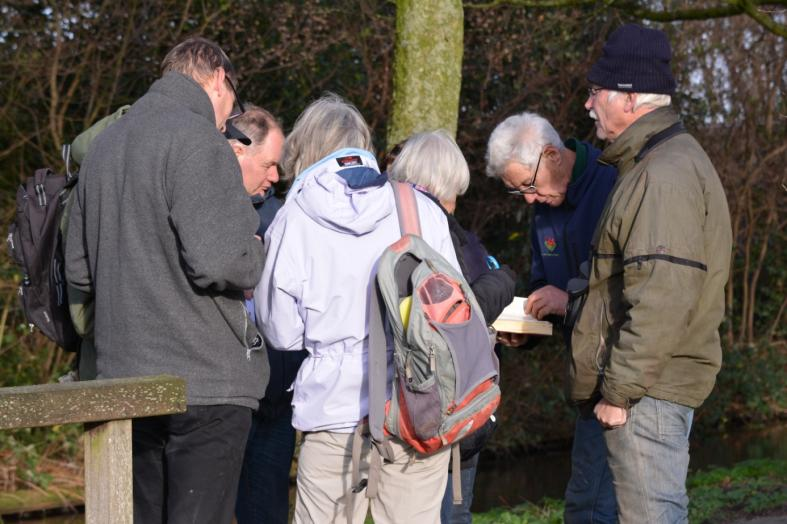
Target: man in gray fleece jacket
[(162, 234)]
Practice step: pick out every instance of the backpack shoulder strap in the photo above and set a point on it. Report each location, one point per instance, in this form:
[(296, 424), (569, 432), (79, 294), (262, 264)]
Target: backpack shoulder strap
[(406, 208)]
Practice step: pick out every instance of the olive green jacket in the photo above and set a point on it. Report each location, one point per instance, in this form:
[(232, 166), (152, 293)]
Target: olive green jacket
[(660, 261)]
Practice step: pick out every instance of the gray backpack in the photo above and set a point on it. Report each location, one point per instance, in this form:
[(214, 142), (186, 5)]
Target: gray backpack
[(446, 373)]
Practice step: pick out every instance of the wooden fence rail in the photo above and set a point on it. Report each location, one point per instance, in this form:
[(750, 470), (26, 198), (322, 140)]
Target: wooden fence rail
[(106, 407)]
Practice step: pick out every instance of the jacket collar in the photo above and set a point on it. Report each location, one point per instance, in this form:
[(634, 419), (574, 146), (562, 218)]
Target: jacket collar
[(622, 151), (186, 92)]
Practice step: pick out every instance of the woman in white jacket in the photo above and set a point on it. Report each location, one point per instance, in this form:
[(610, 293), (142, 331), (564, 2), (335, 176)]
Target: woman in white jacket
[(322, 251)]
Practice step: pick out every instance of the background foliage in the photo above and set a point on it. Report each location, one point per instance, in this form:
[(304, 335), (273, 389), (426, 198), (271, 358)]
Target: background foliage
[(68, 63)]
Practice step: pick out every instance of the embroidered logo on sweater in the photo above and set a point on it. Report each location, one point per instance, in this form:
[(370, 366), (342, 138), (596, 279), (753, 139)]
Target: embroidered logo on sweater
[(550, 244)]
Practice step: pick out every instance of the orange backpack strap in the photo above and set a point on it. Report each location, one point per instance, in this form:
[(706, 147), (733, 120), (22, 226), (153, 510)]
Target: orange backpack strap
[(406, 208)]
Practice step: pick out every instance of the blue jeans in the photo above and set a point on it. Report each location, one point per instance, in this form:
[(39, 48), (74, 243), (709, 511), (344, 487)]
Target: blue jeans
[(451, 513), (590, 494), (263, 493), (649, 459)]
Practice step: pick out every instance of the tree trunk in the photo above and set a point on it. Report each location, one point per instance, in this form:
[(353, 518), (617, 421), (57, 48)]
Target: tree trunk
[(427, 67)]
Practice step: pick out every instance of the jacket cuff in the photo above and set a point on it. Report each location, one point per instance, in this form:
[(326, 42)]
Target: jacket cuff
[(614, 398)]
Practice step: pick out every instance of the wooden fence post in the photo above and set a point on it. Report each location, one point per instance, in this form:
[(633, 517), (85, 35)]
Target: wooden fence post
[(106, 407), (108, 473)]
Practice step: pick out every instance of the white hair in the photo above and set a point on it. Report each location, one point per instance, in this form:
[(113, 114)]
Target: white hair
[(327, 125), (434, 161), (645, 99), (519, 138)]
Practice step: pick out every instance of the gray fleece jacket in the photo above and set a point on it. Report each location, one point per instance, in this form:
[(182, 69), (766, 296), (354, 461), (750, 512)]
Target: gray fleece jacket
[(162, 233)]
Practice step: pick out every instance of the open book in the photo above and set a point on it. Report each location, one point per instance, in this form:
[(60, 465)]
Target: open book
[(514, 320)]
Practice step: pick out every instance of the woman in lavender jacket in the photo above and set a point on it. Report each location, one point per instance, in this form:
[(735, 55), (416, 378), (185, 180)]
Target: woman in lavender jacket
[(322, 252)]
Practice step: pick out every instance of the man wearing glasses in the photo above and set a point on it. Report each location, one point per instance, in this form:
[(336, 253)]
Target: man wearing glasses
[(568, 187), (162, 236), (646, 348)]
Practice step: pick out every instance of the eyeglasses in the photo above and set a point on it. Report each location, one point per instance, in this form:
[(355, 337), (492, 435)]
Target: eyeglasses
[(241, 109), (593, 91), (230, 131), (531, 188)]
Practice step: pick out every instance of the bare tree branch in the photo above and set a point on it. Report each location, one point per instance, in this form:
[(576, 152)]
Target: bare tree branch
[(753, 8)]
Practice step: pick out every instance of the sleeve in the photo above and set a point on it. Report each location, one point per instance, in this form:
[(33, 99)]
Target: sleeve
[(494, 290), (77, 268), (215, 221), (278, 295), (660, 235)]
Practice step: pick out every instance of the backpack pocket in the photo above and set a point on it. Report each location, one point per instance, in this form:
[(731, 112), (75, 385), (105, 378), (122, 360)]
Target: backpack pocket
[(471, 350), (422, 406)]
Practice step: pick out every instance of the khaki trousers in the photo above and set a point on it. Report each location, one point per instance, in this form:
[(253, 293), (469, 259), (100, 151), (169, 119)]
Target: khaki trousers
[(410, 488)]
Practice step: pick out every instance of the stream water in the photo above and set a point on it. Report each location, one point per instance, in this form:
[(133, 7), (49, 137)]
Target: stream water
[(531, 477)]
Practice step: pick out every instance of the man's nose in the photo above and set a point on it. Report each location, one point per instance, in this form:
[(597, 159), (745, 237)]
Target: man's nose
[(589, 103), (273, 174), (530, 198)]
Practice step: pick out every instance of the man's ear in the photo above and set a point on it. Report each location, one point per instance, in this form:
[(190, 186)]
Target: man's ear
[(216, 82), (239, 150), (629, 102), (552, 153)]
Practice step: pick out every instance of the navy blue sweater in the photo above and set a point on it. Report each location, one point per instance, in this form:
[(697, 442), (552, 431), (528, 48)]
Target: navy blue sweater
[(561, 236)]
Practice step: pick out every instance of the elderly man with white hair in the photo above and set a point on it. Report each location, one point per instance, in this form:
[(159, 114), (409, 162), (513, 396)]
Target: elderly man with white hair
[(646, 345), (568, 187)]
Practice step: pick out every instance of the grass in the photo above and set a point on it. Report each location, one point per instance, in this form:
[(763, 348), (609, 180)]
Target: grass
[(750, 488)]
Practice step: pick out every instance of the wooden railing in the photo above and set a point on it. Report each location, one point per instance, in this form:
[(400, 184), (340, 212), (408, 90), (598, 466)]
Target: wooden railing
[(106, 408)]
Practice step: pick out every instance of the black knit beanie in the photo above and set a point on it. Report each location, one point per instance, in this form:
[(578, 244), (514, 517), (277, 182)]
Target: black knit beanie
[(635, 59)]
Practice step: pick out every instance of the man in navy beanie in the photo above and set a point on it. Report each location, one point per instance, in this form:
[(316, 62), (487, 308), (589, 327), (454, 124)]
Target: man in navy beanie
[(645, 350)]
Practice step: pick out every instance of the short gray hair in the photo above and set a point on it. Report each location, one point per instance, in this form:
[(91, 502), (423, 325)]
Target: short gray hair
[(645, 99), (255, 123), (519, 138), (433, 161), (198, 58), (327, 125)]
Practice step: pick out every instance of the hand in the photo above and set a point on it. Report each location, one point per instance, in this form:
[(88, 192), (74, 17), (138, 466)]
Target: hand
[(258, 237), (512, 339), (547, 300), (609, 415), (248, 294)]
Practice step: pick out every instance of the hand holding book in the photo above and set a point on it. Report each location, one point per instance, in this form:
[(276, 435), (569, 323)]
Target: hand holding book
[(547, 300), (513, 319)]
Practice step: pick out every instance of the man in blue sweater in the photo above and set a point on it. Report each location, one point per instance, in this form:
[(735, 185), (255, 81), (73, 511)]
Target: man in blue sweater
[(569, 187), (263, 493)]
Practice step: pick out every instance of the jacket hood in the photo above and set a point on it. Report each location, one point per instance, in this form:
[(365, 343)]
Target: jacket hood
[(344, 192)]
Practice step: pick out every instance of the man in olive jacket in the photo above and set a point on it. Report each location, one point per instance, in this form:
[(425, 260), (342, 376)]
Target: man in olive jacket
[(646, 348)]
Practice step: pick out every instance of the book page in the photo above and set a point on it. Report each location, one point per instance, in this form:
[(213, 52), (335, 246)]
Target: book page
[(514, 320)]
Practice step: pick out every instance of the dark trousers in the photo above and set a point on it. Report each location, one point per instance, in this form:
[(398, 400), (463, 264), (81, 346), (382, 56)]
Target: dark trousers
[(186, 466), (263, 494)]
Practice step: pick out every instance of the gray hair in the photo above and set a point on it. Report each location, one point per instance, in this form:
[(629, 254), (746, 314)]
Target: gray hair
[(198, 58), (645, 99), (433, 160), (327, 125), (519, 138), (255, 123)]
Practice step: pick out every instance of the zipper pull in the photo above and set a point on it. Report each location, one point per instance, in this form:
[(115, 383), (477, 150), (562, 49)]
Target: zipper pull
[(432, 360)]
